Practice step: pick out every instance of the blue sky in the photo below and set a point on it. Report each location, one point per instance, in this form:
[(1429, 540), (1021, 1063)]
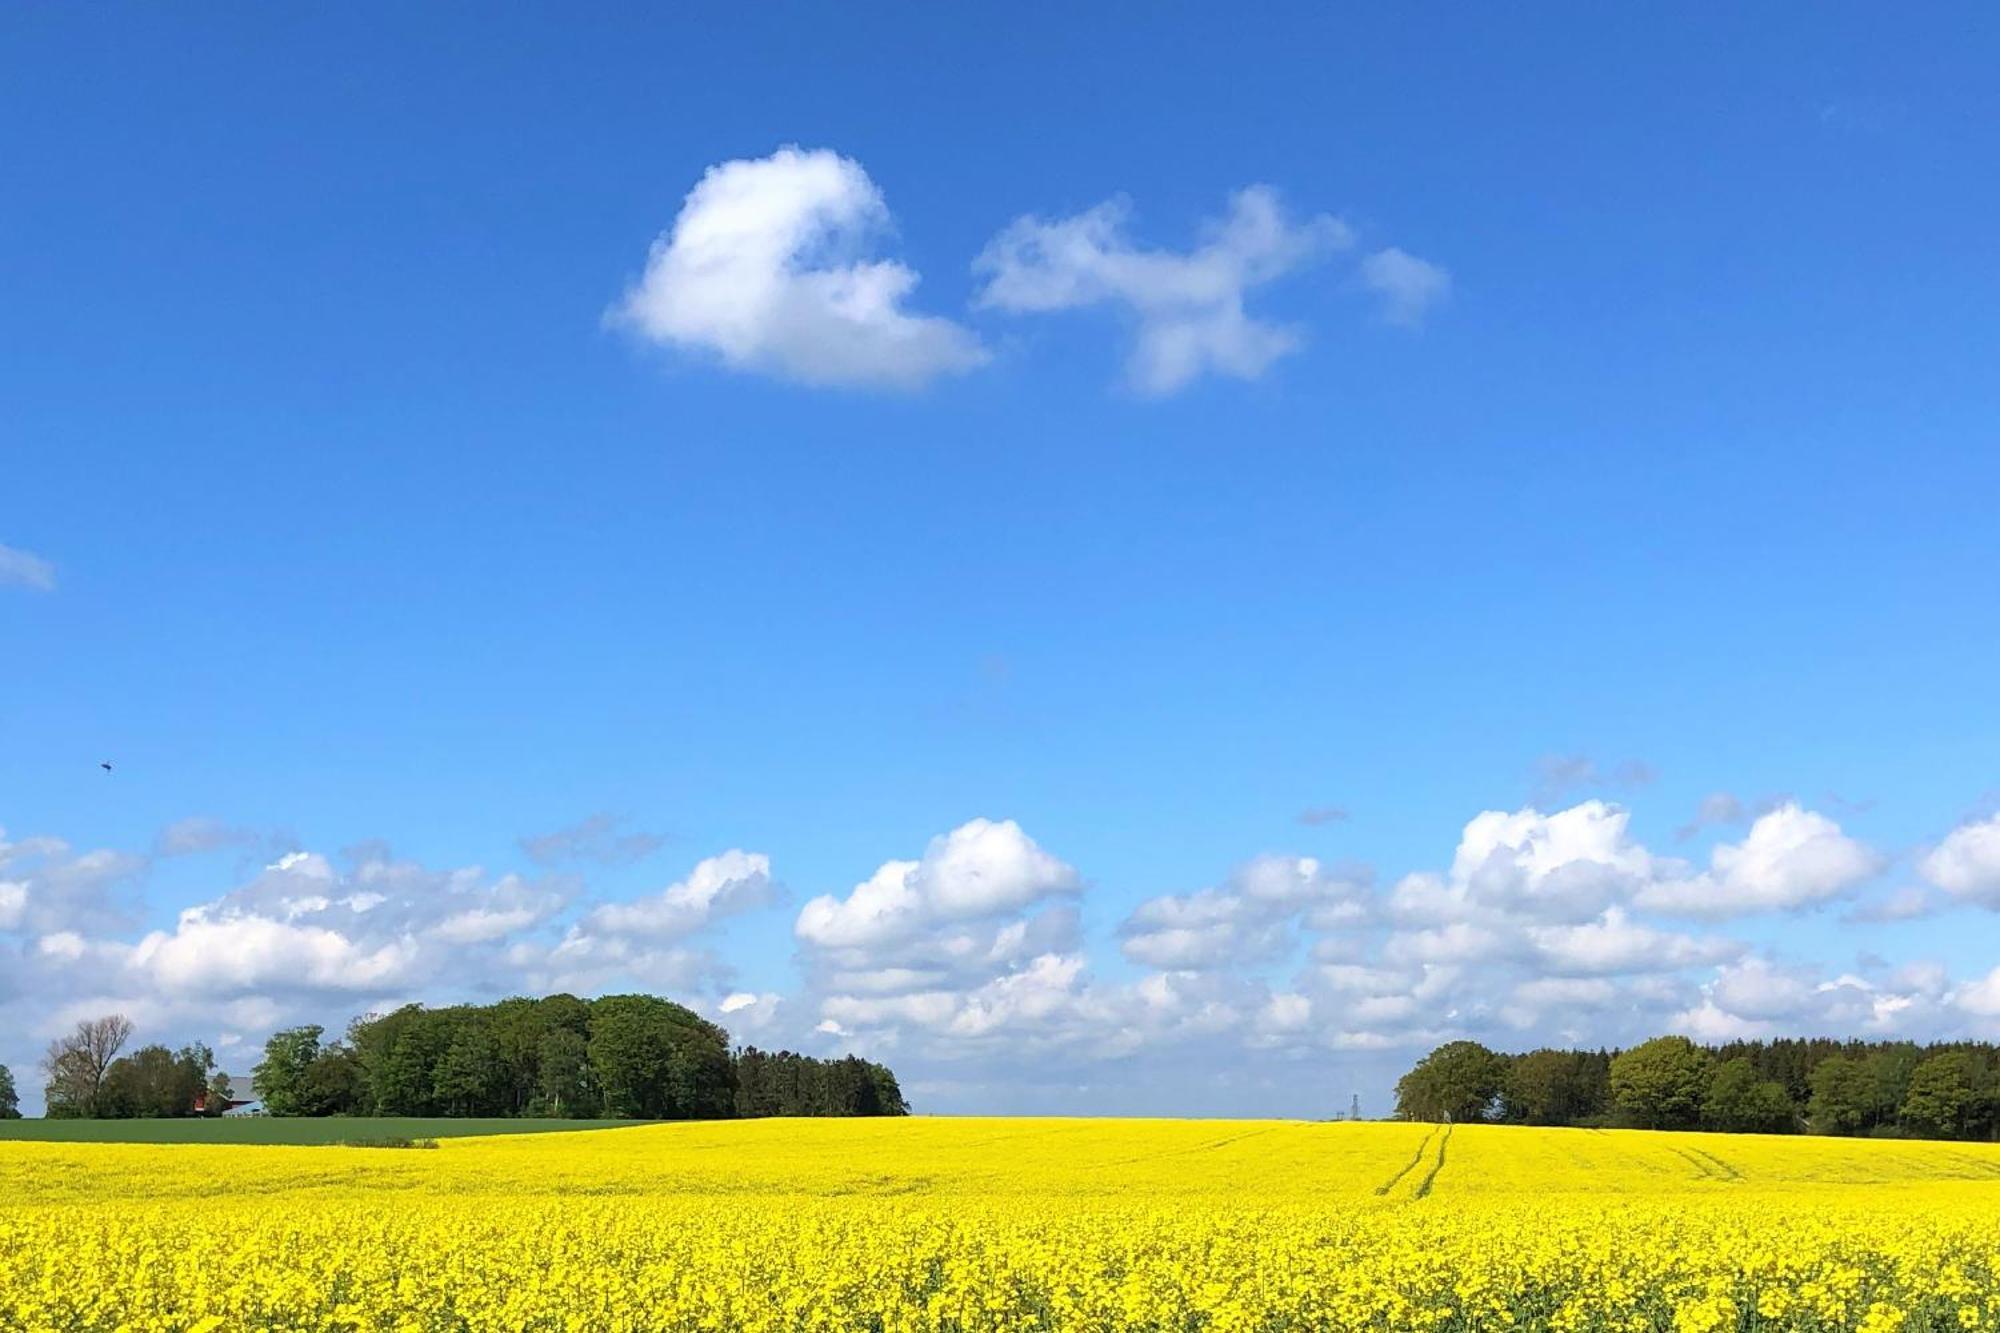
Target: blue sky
[(354, 507)]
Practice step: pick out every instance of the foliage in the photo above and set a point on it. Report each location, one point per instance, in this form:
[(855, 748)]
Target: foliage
[(1739, 1102), (1768, 1087), (1549, 1087), (1458, 1081), (788, 1084), (628, 1057), (1843, 1096), (1944, 1098), (1660, 1083), (76, 1064), (10, 1100), (154, 1083), (922, 1226)]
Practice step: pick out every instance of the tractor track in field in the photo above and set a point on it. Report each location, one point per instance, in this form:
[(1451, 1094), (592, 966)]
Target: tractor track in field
[(1424, 1186), (1707, 1165), (1408, 1166)]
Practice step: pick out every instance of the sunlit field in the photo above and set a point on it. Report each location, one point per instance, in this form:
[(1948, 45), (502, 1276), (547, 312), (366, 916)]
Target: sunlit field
[(1014, 1224)]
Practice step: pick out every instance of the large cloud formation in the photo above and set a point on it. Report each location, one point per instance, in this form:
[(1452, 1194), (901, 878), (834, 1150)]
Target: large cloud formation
[(969, 963)]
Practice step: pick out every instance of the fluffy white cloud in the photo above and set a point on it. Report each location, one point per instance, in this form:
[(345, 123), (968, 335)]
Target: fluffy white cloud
[(1967, 863), (1249, 919), (765, 268), (719, 886), (1792, 858), (1408, 287), (1616, 945), (1563, 866), (1757, 997), (233, 954), (980, 869), (25, 569), (1188, 307)]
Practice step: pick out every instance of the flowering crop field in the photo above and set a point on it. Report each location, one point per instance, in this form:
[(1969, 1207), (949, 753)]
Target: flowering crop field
[(1007, 1224)]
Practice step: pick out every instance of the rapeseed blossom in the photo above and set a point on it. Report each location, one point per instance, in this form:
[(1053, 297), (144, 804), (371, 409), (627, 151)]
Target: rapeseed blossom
[(908, 1226)]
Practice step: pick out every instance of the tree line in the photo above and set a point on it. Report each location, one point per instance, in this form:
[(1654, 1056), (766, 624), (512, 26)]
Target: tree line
[(1887, 1089), (619, 1057), (89, 1079)]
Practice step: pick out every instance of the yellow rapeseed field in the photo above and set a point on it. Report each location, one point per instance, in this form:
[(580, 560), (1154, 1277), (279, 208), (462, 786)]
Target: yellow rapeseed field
[(1007, 1224)]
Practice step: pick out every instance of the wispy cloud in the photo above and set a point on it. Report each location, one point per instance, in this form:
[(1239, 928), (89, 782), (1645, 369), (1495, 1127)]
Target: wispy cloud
[(25, 569), (1188, 306), (1409, 288), (595, 838)]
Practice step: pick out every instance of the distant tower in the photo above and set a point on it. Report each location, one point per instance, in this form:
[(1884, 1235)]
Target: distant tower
[(1354, 1108)]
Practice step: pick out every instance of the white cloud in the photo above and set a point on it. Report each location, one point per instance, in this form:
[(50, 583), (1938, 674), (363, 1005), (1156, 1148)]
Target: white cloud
[(719, 886), (243, 953), (1251, 918), (1408, 287), (1792, 858), (765, 268), (1967, 863), (25, 569), (1188, 307), (1616, 945), (1563, 866), (980, 869)]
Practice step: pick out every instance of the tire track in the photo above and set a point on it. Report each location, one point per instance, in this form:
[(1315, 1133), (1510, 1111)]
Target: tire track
[(1408, 1166), (1730, 1172), (1424, 1189)]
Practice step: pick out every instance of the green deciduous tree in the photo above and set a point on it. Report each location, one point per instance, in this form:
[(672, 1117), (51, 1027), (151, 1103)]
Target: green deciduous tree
[(10, 1100), (1460, 1080), (280, 1077), (1660, 1084), (156, 1083), (1843, 1096), (1548, 1087), (1942, 1099), (1739, 1102)]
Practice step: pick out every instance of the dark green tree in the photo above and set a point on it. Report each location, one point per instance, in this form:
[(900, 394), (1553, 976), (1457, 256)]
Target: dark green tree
[(335, 1083), (10, 1100), (1739, 1102), (280, 1077), (563, 1076), (470, 1078), (156, 1083), (1659, 1084), (1549, 1087), (1942, 1100), (1843, 1096), (1460, 1081)]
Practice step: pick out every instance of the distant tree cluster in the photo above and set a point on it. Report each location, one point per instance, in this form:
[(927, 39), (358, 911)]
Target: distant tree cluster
[(1885, 1089), (88, 1079), (633, 1057), (10, 1100), (781, 1083)]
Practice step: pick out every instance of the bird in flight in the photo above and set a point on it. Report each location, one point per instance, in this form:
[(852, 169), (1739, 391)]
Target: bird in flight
[(106, 766)]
